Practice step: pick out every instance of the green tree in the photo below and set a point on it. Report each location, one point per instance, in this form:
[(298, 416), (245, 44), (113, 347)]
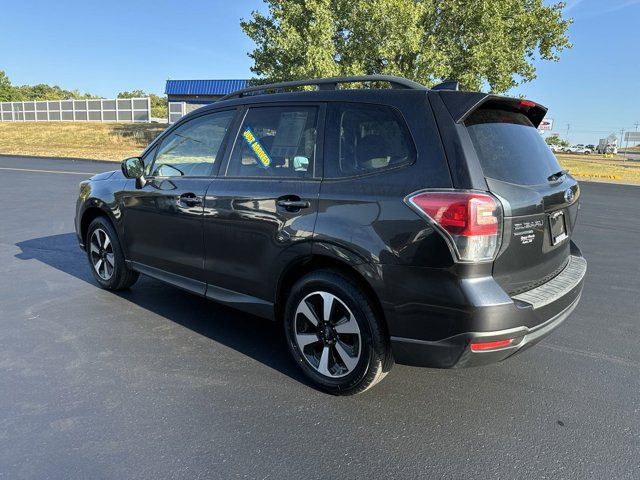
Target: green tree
[(480, 43), (132, 94), (82, 96), (554, 139), (41, 91), (7, 91), (158, 105)]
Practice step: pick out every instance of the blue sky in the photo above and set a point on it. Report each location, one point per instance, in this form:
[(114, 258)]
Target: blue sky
[(110, 46)]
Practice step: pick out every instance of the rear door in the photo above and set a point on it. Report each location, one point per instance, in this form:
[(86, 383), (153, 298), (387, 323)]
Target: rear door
[(540, 201), (261, 210)]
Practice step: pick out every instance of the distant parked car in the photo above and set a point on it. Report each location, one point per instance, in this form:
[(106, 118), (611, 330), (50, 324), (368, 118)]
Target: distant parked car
[(577, 149)]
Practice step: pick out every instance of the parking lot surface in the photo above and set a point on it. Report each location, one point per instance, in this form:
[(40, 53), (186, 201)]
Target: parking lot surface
[(158, 383)]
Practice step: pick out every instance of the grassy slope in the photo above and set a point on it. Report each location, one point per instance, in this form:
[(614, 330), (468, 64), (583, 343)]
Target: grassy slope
[(631, 149), (102, 141), (596, 167)]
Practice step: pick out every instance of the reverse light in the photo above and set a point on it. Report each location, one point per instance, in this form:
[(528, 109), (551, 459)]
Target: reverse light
[(493, 345), (470, 221)]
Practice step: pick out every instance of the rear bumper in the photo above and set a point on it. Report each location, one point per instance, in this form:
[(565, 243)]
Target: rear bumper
[(456, 352), (523, 320)]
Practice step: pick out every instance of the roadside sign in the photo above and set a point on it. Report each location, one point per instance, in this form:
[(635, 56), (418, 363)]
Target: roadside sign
[(632, 137), (546, 124)]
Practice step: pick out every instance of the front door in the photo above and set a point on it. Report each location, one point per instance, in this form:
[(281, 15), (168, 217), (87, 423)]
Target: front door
[(260, 212), (163, 220)]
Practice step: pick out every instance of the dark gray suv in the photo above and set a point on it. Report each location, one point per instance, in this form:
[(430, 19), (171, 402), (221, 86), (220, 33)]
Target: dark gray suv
[(423, 226)]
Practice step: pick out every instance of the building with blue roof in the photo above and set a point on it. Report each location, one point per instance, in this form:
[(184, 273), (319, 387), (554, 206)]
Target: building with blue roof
[(184, 96)]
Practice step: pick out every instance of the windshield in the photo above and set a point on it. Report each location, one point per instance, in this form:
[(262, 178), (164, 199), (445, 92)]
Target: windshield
[(510, 148)]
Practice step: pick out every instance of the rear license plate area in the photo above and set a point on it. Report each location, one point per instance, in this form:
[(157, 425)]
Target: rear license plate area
[(557, 227)]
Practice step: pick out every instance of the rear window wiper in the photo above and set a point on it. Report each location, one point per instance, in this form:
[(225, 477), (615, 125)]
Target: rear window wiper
[(557, 175)]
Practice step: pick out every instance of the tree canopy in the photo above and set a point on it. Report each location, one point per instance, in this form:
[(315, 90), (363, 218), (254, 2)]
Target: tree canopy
[(5, 88), (484, 44), (554, 139), (41, 91)]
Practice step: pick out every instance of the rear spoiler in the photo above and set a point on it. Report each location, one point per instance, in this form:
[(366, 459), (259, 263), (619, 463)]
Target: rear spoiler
[(463, 104)]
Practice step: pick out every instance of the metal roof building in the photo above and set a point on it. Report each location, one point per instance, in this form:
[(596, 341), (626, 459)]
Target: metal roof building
[(199, 89), (184, 96)]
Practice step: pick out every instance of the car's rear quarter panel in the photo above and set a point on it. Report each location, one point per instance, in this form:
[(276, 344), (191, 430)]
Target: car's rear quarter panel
[(366, 215)]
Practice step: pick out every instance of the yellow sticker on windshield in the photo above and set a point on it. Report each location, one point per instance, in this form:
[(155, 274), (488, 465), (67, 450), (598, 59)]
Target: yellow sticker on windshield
[(256, 147)]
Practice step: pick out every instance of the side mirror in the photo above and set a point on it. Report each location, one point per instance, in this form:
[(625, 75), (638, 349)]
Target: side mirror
[(134, 168)]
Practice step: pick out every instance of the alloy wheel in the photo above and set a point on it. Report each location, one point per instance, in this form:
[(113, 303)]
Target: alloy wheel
[(101, 252), (327, 334)]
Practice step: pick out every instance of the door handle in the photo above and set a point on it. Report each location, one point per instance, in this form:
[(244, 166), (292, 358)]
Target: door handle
[(293, 203), (190, 199)]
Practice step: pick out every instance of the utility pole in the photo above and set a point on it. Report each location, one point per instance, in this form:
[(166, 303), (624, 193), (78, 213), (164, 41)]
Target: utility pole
[(567, 135), (626, 147), (636, 125), (621, 140)]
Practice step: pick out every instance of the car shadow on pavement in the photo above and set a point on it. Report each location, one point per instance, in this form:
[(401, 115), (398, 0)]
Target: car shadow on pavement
[(222, 324)]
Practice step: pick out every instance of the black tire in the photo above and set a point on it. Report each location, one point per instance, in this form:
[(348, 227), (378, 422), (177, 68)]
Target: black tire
[(117, 276), (374, 357)]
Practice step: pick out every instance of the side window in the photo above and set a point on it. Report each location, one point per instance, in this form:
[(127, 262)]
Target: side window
[(371, 138), (192, 148), (275, 142)]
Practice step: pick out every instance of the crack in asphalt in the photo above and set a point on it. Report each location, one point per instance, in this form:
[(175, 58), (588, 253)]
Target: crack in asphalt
[(597, 356)]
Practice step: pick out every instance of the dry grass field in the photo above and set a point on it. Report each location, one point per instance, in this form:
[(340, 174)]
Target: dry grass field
[(599, 168), (100, 141), (630, 149)]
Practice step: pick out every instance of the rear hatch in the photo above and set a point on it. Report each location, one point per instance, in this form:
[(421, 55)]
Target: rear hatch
[(540, 201)]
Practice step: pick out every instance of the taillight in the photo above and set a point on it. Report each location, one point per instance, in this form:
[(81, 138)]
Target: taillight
[(493, 345), (471, 222), (527, 103)]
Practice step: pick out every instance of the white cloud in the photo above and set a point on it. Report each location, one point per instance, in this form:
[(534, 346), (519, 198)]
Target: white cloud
[(597, 7), (573, 4), (615, 6)]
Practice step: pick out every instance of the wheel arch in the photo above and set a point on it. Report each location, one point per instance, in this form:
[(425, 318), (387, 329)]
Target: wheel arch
[(92, 211), (363, 274)]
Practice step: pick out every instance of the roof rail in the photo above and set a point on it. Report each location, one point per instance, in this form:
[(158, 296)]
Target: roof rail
[(328, 84)]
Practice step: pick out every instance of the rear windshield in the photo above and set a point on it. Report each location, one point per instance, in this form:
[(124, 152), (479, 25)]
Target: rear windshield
[(510, 148)]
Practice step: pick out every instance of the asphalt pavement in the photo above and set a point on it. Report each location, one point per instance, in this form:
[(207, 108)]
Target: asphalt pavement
[(158, 383)]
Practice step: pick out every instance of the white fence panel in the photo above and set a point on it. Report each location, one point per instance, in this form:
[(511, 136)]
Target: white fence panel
[(90, 110), (177, 110)]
